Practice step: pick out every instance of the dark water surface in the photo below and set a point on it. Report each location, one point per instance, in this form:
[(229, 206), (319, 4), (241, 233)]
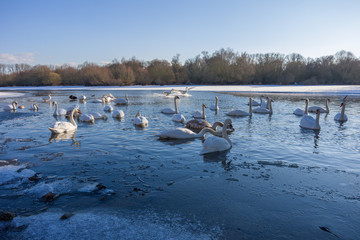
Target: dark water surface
[(277, 182)]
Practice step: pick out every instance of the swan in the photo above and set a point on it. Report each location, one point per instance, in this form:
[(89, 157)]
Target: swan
[(119, 114), (102, 100), (300, 112), (97, 115), (140, 121), (341, 116), (185, 92), (122, 101), (265, 110), (179, 118), (21, 106), (69, 110), (59, 112), (83, 97), (88, 118), (240, 113), (216, 106), (171, 110), (217, 144), (34, 107), (47, 98), (308, 122), (256, 103), (314, 108), (108, 108), (62, 127), (264, 104), (198, 114), (11, 107), (72, 97), (184, 133)]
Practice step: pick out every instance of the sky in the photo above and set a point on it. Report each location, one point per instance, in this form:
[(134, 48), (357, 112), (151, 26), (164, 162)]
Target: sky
[(71, 32)]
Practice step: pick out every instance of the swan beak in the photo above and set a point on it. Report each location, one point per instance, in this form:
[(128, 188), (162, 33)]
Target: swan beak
[(341, 104), (79, 112)]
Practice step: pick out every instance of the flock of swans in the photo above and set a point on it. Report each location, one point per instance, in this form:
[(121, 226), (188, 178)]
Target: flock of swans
[(195, 128)]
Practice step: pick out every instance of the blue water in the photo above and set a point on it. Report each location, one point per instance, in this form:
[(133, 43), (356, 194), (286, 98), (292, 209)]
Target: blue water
[(277, 182)]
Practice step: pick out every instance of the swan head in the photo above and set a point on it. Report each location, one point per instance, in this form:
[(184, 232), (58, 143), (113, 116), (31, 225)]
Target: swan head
[(204, 106), (177, 97), (342, 104), (138, 114)]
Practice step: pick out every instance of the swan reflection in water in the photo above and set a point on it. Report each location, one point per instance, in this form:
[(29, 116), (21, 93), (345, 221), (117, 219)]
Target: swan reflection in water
[(63, 137)]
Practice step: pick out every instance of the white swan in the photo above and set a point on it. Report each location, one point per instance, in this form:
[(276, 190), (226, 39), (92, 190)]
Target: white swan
[(122, 101), (216, 106), (256, 103), (108, 108), (21, 106), (102, 100), (217, 144), (59, 112), (184, 133), (171, 110), (88, 118), (82, 98), (62, 127), (263, 103), (240, 113), (341, 116), (140, 121), (47, 98), (98, 115), (34, 107), (300, 112), (11, 107), (265, 110), (198, 114), (308, 122), (314, 108), (179, 118), (119, 114)]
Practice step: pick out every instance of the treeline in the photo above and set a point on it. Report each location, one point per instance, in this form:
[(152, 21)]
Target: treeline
[(222, 67)]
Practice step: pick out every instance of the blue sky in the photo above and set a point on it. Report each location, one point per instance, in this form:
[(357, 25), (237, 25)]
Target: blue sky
[(72, 32)]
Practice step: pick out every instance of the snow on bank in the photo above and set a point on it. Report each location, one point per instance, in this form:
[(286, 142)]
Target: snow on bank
[(320, 89), (104, 226), (10, 94)]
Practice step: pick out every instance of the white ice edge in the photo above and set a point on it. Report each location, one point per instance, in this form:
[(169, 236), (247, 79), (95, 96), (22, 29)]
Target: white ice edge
[(331, 89)]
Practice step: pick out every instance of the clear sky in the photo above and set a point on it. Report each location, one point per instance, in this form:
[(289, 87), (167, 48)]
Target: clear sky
[(98, 31)]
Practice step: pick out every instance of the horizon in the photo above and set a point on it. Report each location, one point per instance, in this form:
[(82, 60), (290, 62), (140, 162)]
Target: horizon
[(64, 32)]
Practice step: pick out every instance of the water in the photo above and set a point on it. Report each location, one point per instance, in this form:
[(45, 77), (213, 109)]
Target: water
[(278, 180)]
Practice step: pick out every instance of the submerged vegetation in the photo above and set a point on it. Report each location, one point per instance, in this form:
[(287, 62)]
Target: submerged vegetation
[(222, 67)]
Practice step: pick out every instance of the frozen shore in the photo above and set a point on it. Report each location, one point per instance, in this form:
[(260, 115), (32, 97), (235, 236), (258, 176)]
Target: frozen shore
[(297, 89)]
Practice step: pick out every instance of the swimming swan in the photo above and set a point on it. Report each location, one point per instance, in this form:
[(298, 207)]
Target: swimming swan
[(58, 112), (314, 108), (171, 110), (240, 113), (217, 144), (11, 107), (140, 121), (62, 127), (308, 122), (300, 112), (216, 106), (341, 116)]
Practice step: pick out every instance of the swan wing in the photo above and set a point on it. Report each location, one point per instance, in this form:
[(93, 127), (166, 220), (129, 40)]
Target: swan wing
[(179, 118), (237, 113), (168, 111), (214, 144), (177, 133), (299, 112)]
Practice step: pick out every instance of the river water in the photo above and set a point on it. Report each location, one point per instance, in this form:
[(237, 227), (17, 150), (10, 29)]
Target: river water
[(278, 181)]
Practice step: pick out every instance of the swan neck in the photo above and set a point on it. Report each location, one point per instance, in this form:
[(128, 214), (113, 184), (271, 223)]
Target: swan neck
[(250, 107), (270, 106), (343, 110), (72, 117), (203, 112), (206, 130), (56, 109), (327, 105), (216, 103), (318, 118), (224, 133), (14, 105), (176, 107), (306, 108)]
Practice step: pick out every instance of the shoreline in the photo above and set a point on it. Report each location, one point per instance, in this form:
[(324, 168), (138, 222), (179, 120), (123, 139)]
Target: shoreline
[(353, 90)]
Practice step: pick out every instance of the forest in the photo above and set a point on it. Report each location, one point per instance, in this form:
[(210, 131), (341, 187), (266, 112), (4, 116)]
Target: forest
[(223, 67)]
